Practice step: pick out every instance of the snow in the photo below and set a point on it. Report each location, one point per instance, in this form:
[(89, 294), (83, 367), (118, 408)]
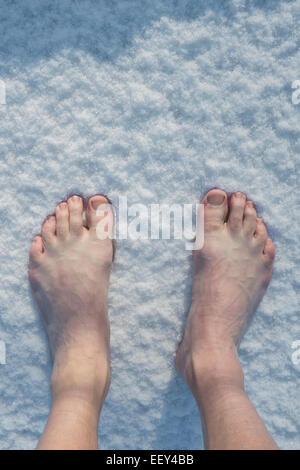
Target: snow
[(158, 100)]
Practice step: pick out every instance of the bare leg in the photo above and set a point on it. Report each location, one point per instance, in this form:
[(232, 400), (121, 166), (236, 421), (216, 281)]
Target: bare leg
[(69, 273), (231, 274)]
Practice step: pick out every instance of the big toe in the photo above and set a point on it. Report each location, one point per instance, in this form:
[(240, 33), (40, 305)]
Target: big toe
[(216, 208), (99, 216)]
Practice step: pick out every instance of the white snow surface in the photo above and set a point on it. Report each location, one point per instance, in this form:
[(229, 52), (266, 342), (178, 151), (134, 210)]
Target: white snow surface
[(158, 100)]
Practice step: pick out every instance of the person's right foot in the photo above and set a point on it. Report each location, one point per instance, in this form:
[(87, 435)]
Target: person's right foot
[(231, 274)]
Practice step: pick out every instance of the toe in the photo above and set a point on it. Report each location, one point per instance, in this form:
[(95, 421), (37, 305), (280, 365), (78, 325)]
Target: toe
[(215, 210), (269, 250), (75, 205), (62, 220), (99, 216), (261, 234), (49, 230), (236, 214), (36, 249), (250, 216)]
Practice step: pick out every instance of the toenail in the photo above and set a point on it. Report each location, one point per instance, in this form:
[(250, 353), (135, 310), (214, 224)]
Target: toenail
[(96, 203), (239, 194), (250, 204), (75, 198), (215, 199), (63, 205)]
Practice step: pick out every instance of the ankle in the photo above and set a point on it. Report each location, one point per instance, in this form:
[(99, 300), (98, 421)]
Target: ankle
[(210, 367), (81, 378)]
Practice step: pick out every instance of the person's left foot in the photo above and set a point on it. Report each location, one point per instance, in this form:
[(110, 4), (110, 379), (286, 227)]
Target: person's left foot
[(69, 271)]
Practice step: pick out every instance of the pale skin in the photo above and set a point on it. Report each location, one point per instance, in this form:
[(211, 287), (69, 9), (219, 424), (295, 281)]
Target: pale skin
[(69, 273)]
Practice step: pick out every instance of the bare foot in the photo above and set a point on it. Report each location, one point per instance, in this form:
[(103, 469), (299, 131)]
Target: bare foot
[(69, 272), (231, 275)]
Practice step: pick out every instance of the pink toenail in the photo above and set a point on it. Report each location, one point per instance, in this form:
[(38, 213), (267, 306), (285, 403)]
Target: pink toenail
[(239, 194), (215, 199), (95, 203)]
